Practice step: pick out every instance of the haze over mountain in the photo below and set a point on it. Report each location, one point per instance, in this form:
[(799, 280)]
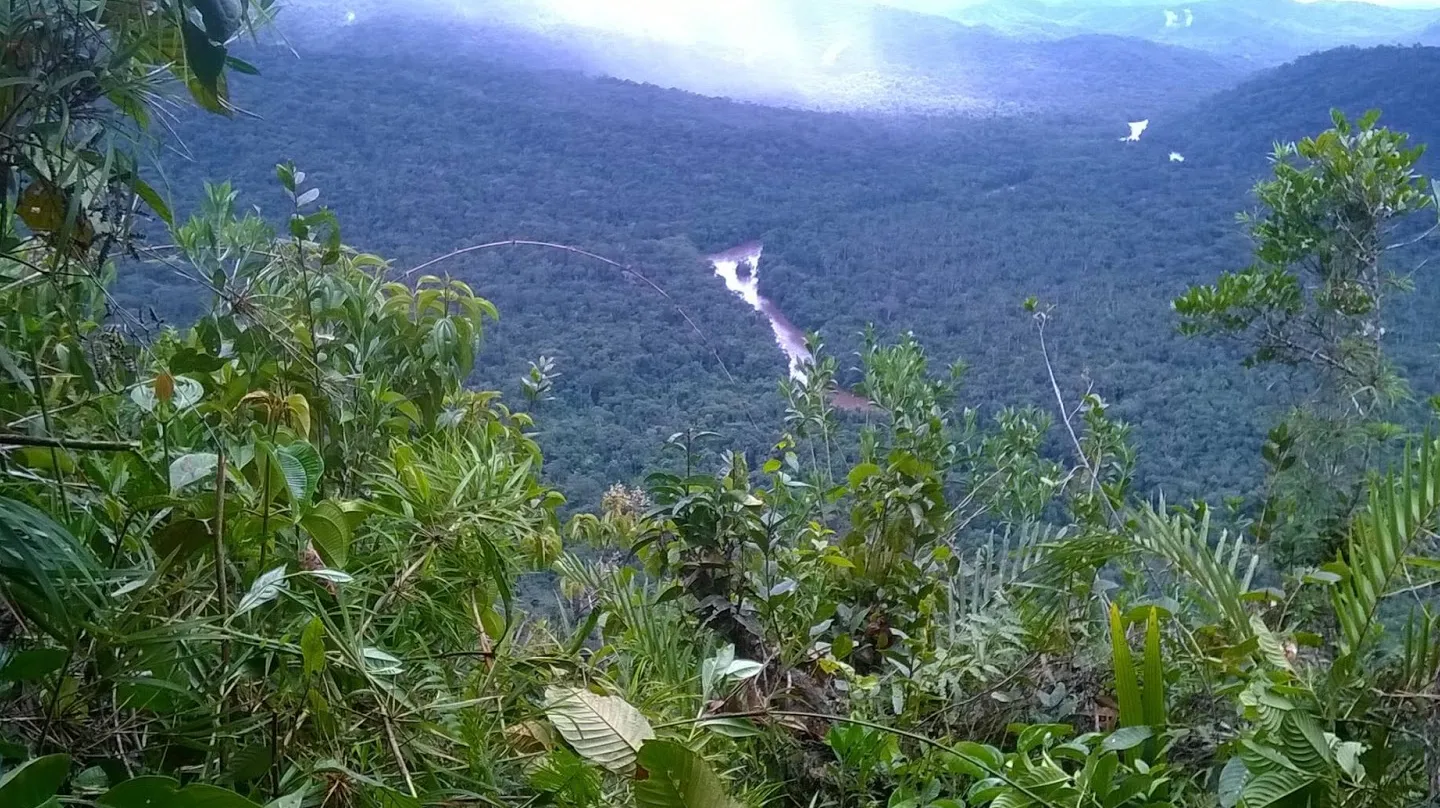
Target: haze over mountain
[(1264, 31), (991, 56), (845, 55), (426, 136)]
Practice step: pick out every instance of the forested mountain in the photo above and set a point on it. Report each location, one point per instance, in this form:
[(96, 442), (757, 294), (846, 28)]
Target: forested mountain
[(849, 56), (1227, 127), (1266, 31), (940, 226)]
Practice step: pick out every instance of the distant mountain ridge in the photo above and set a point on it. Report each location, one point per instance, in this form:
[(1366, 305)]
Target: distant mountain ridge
[(1295, 99), (848, 57), (1265, 31)]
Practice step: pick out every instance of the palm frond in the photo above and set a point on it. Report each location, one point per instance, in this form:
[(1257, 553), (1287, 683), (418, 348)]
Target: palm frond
[(1215, 570), (1401, 514), (45, 569)]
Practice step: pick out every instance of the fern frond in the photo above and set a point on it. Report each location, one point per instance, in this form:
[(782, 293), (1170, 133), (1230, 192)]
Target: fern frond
[(1177, 538), (1401, 514), (45, 570), (1062, 569)]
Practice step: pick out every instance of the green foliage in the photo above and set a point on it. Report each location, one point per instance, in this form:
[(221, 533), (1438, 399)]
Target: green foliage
[(34, 783), (677, 778), (1391, 543), (1340, 204)]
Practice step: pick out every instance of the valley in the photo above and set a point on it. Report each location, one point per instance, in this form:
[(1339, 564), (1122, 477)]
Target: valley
[(939, 226)]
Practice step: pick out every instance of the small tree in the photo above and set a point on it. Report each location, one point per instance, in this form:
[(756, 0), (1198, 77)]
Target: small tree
[(1339, 204)]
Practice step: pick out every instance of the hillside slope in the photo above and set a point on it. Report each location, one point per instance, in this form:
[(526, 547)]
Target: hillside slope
[(1265, 31), (1288, 102), (938, 226)]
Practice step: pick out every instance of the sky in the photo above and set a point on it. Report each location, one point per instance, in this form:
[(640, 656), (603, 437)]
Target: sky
[(1393, 3)]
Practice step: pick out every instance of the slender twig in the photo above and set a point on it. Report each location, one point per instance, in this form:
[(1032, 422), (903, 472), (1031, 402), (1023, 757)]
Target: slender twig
[(1041, 319), (399, 756), (221, 587), (68, 443), (49, 430)]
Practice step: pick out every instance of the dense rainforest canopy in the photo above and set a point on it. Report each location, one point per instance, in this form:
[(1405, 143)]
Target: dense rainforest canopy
[(938, 227), (264, 521)]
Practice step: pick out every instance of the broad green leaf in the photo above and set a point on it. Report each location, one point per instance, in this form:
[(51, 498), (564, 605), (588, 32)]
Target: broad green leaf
[(731, 727), (187, 393), (677, 778), (1347, 756), (301, 465), (605, 730), (183, 538), (152, 200), (241, 66), (192, 468), (861, 473), (1272, 787), (984, 758), (380, 663), (330, 532), (266, 588), (92, 780), (742, 669), (292, 800), (222, 17), (31, 665), (312, 646), (1232, 782), (34, 782), (206, 59), (164, 792), (712, 669), (1126, 738), (1270, 647), (299, 407), (250, 762)]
